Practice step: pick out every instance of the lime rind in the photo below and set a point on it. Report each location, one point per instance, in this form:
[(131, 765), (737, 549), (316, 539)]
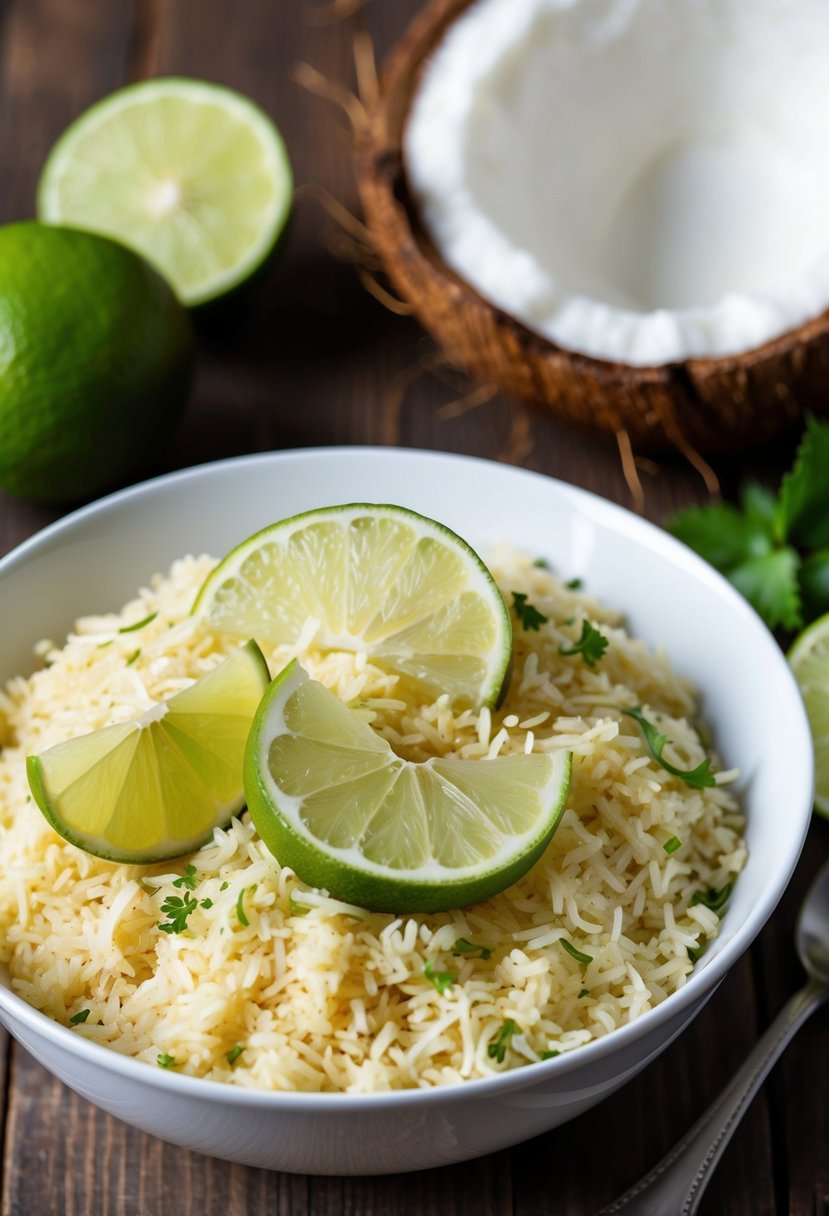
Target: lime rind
[(94, 174), (146, 791), (441, 622), (339, 835), (809, 660)]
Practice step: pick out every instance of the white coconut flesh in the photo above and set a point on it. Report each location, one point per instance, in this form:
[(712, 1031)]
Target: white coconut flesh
[(638, 180)]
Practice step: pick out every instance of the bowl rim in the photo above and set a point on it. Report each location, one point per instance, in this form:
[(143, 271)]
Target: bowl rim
[(699, 986)]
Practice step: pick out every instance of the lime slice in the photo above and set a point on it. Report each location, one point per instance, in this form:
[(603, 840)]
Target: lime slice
[(374, 579), (809, 660), (331, 800), (148, 790), (192, 175)]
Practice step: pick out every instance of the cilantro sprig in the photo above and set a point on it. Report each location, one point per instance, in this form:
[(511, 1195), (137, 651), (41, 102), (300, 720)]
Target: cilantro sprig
[(440, 980), (591, 645), (774, 548), (527, 613), (497, 1049), (177, 910), (471, 949), (698, 778), (713, 899)]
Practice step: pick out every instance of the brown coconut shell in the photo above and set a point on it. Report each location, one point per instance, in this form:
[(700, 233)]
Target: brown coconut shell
[(715, 405)]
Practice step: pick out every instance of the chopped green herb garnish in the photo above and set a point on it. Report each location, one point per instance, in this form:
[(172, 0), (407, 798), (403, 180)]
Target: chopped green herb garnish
[(584, 992), (224, 886), (240, 908), (528, 614), (698, 778), (207, 903), (79, 1017), (671, 846), (715, 900), (575, 584), (441, 980), (188, 878), (695, 953), (548, 1055), (135, 654), (541, 563), (103, 645), (138, 624), (177, 911), (462, 946), (591, 645), (497, 1049), (574, 953), (165, 1061), (233, 1055)]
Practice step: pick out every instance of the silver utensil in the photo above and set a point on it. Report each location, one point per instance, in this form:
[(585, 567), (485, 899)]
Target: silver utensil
[(675, 1186)]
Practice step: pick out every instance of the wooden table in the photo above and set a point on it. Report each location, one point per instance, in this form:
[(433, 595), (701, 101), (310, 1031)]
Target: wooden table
[(314, 359)]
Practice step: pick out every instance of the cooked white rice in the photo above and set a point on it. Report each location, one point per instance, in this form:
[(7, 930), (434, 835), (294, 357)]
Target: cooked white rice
[(323, 996)]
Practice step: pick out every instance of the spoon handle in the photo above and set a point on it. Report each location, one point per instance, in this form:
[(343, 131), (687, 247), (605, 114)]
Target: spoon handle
[(675, 1186)]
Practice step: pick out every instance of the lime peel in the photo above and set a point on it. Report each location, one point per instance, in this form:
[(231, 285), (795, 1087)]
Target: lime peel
[(809, 661), (149, 790), (331, 800), (378, 579), (191, 174)]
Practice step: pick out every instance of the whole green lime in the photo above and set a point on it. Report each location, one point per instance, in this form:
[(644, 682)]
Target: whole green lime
[(96, 361)]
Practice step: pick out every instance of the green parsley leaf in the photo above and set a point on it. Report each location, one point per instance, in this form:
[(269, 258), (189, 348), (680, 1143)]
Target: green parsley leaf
[(574, 953), (591, 645), (177, 911), (695, 953), (79, 1017), (713, 899), (135, 654), (574, 584), (671, 846), (770, 584), (165, 1061), (240, 908), (497, 1049), (541, 563), (803, 503), (207, 903), (548, 1055), (528, 615), (441, 980), (188, 879), (698, 778), (224, 886), (233, 1055), (138, 624), (584, 992), (462, 946)]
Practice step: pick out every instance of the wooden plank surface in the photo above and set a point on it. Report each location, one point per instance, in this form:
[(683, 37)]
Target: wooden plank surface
[(311, 358)]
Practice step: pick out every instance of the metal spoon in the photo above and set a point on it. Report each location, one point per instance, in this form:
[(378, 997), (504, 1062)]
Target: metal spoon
[(675, 1186)]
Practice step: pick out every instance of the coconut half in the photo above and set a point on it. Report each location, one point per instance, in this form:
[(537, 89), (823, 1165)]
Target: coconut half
[(618, 207)]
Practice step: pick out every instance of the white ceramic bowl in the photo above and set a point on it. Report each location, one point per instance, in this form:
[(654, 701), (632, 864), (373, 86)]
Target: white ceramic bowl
[(94, 560)]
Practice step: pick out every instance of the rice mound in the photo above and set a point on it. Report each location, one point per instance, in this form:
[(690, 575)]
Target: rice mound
[(320, 995)]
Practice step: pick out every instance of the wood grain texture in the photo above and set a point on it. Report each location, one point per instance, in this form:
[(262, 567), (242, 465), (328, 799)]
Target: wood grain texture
[(310, 358)]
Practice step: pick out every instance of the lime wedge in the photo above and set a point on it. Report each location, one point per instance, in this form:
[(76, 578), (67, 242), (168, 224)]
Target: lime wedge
[(809, 660), (331, 800), (148, 790), (192, 175), (374, 579)]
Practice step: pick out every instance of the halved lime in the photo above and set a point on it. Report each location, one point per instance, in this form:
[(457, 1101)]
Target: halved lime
[(383, 580), (809, 660), (156, 788), (331, 800), (192, 175)]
